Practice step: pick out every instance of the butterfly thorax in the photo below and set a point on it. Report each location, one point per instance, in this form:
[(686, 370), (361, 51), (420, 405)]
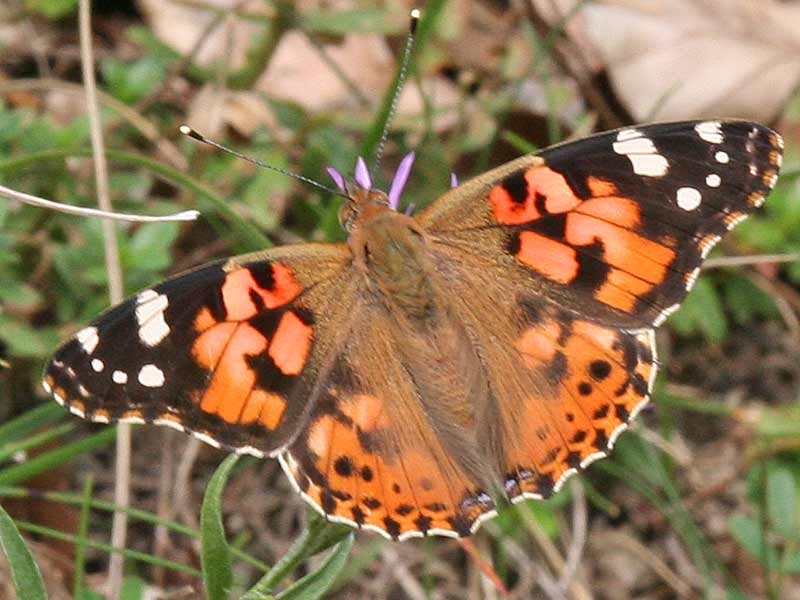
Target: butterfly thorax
[(390, 249)]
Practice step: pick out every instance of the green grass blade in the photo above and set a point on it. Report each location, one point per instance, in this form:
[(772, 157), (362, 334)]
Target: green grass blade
[(54, 458), (215, 553), (7, 451), (36, 418), (83, 536), (128, 554), (318, 535), (314, 585), (133, 513), (24, 572)]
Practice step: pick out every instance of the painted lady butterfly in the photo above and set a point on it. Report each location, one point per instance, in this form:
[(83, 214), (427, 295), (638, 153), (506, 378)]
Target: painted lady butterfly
[(494, 343)]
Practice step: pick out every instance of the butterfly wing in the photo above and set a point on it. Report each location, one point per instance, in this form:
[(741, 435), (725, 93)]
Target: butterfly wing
[(284, 352), (577, 253), (230, 352), (614, 226), (389, 447)]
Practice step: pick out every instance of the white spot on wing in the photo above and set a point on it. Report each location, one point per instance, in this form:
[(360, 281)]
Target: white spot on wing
[(722, 157), (151, 376), (689, 198), (98, 365), (713, 180), (627, 134), (642, 153), (710, 131), (88, 339), (120, 377), (150, 316), (47, 387)]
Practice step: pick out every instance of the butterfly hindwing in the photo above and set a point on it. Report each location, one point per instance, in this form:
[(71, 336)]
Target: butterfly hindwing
[(616, 225), (229, 351)]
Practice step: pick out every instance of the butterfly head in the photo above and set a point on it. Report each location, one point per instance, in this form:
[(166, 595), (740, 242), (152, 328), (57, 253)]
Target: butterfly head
[(362, 200)]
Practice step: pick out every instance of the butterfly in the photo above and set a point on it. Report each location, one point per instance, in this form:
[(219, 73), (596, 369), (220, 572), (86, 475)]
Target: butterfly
[(490, 345)]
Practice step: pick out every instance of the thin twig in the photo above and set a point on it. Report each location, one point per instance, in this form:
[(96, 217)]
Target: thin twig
[(756, 259), (579, 523), (115, 288), (186, 215), (485, 567), (402, 574), (642, 553)]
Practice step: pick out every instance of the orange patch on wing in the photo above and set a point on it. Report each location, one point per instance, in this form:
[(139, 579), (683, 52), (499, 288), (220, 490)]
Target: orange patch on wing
[(621, 290), (240, 283), (601, 187), (208, 347), (233, 378), (620, 211), (396, 495), (263, 406), (554, 260), (538, 344), (593, 399), (290, 344), (366, 411), (320, 437), (559, 197), (622, 248), (204, 320), (506, 210)]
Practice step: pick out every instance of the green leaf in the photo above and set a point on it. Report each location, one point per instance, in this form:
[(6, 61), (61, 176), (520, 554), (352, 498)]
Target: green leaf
[(54, 458), (52, 9), (24, 572), (747, 301), (791, 564), (133, 588), (132, 81), (358, 20), (314, 585), (747, 531), (214, 551), (702, 313), (782, 501), (318, 535)]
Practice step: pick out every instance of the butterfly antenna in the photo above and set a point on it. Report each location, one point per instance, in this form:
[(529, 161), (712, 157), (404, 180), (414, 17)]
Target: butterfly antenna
[(195, 135), (401, 79)]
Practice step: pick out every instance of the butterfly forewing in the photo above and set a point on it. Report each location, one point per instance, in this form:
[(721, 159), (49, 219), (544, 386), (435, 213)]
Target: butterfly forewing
[(230, 351), (616, 226)]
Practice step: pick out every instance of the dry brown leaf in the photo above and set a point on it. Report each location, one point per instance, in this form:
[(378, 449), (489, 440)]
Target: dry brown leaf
[(691, 58)]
